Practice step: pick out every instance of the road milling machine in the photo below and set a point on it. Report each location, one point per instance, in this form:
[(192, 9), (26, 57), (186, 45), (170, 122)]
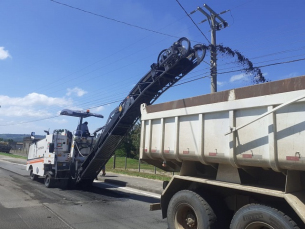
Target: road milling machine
[(78, 159)]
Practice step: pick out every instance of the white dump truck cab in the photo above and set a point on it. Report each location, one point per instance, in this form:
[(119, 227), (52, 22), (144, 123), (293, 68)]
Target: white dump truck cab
[(59, 155)]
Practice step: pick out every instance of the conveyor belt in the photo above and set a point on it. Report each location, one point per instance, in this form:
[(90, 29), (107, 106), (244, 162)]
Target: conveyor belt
[(172, 64)]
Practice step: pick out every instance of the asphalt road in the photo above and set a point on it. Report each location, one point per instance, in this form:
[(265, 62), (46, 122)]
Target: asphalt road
[(29, 204)]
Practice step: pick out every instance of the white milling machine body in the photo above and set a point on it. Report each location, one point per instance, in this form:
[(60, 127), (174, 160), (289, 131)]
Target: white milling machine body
[(59, 155), (239, 147)]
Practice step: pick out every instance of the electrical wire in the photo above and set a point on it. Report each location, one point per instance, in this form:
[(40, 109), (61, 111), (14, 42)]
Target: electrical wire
[(94, 70), (193, 21), (122, 85), (262, 66), (115, 20)]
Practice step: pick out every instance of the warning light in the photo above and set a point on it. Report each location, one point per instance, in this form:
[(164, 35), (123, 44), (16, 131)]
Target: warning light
[(88, 111)]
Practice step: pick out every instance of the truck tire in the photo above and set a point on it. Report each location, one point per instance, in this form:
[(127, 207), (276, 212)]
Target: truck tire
[(255, 216), (32, 175), (187, 209), (49, 180)]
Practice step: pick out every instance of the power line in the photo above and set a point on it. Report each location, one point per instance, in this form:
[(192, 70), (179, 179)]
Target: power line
[(90, 65), (262, 66), (193, 21), (86, 102), (110, 55), (115, 20)]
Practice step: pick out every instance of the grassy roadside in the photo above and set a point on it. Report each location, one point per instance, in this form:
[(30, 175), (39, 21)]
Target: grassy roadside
[(12, 155), (147, 171)]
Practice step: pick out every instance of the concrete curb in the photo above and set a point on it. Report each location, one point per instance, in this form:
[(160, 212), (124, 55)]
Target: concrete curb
[(140, 183)]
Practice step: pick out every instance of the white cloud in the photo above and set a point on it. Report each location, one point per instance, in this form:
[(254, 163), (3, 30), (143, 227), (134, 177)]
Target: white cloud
[(3, 54), (17, 111), (220, 83), (32, 105), (77, 91), (33, 99), (238, 77)]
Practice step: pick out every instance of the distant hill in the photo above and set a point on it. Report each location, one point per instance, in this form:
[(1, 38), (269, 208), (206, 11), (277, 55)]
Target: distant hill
[(18, 137)]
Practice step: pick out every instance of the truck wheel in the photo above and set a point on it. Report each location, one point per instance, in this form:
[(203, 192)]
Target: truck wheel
[(49, 180), (189, 210), (256, 216), (32, 175)]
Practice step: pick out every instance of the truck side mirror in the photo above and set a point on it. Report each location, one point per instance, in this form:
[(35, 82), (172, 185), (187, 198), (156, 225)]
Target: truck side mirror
[(51, 148)]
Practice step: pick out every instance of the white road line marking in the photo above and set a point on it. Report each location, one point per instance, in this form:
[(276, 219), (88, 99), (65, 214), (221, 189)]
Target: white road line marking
[(132, 190)]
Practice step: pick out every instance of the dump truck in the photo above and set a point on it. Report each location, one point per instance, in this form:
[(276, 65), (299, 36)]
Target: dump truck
[(240, 156)]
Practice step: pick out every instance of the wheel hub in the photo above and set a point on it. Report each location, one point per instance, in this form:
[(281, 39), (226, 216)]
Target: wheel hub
[(259, 225), (190, 220), (185, 217)]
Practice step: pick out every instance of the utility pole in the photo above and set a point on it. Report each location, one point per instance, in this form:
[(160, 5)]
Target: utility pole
[(215, 26)]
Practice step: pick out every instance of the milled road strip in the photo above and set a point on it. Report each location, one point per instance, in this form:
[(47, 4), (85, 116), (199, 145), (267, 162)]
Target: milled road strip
[(137, 191)]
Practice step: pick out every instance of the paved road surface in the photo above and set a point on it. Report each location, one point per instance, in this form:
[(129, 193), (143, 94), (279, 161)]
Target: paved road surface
[(28, 204)]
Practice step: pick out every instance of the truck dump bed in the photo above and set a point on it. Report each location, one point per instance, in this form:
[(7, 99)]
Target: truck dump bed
[(194, 129)]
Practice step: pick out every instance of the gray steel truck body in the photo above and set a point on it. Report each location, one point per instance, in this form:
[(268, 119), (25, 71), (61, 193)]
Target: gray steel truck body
[(240, 152)]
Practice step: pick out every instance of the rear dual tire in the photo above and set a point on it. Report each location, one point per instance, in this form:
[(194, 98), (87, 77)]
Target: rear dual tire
[(256, 216), (189, 210)]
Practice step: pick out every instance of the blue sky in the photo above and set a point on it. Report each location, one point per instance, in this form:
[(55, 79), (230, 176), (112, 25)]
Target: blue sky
[(54, 57)]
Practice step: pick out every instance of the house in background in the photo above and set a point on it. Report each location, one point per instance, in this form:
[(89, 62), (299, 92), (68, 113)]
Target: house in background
[(19, 145), (28, 140)]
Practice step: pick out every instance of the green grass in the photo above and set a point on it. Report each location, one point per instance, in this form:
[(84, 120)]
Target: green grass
[(12, 155)]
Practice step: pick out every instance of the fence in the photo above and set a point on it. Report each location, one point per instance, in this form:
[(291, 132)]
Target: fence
[(119, 163), (134, 165), (19, 152)]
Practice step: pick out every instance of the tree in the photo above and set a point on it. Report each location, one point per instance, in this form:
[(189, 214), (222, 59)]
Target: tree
[(130, 145), (11, 142)]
